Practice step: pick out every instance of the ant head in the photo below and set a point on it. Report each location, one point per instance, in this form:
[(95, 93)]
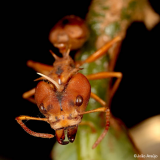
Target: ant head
[(63, 106)]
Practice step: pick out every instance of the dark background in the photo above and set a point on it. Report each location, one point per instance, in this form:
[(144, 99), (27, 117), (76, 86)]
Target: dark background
[(26, 37)]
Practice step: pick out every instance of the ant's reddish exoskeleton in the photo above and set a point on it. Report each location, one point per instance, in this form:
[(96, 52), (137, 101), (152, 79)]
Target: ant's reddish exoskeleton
[(64, 93)]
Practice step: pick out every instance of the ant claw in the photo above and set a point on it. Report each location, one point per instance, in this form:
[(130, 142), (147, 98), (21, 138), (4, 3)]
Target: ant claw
[(71, 134), (61, 136)]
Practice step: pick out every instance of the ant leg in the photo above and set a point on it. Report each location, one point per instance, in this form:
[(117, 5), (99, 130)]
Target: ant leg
[(43, 135), (114, 56), (102, 102), (28, 95), (40, 67), (43, 68), (102, 75), (102, 109), (100, 52), (105, 131)]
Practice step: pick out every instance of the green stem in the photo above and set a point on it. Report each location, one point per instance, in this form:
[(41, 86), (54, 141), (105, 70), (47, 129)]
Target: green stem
[(106, 19)]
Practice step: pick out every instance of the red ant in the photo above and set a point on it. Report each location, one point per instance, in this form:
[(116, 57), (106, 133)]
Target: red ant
[(62, 94)]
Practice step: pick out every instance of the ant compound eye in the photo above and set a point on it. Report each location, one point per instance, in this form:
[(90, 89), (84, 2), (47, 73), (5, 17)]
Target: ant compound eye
[(42, 108), (79, 100)]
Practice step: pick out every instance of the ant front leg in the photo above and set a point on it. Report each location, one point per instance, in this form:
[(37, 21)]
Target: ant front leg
[(102, 109), (39, 67), (100, 52), (28, 95), (43, 135)]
